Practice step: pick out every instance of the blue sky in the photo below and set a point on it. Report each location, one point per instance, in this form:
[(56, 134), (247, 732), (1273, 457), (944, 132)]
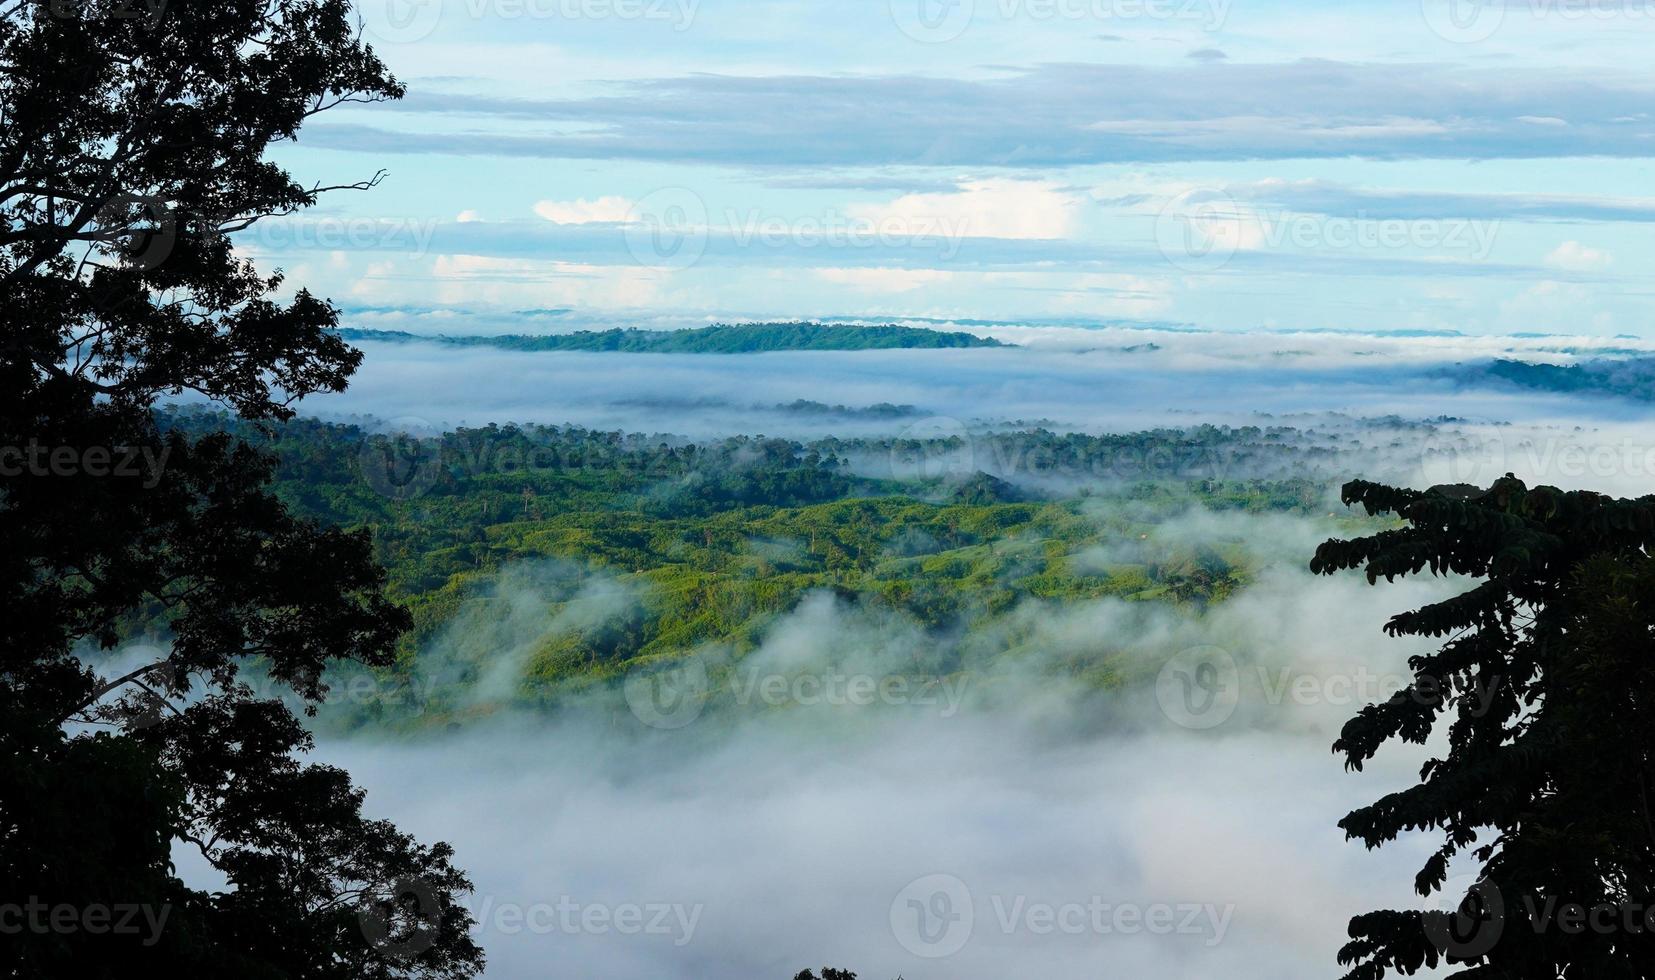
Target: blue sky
[(1474, 166)]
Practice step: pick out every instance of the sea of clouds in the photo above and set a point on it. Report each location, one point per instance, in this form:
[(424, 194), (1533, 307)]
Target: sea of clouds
[(1009, 820), (1018, 823), (1218, 378)]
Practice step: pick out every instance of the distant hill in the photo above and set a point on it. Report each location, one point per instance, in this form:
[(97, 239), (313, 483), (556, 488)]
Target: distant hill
[(1632, 378), (883, 410), (740, 338)]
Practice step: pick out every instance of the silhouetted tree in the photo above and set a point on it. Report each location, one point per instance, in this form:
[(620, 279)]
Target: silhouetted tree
[(133, 141), (1547, 679)]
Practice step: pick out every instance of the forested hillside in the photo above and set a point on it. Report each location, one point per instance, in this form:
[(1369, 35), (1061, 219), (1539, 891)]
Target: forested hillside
[(723, 338), (631, 548)]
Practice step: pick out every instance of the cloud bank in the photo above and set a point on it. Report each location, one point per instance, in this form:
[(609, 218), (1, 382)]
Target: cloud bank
[(1052, 115), (1074, 834)]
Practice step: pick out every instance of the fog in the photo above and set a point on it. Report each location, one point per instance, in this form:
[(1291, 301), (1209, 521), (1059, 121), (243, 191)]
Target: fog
[(1305, 381), (789, 850), (790, 824), (859, 793), (1203, 377)]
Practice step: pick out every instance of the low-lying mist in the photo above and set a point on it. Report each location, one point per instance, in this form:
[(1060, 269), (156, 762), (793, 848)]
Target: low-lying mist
[(751, 816), (1114, 384), (1333, 384), (1096, 788)]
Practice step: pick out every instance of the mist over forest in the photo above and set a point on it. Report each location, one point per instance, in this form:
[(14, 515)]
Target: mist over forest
[(900, 636), (854, 490)]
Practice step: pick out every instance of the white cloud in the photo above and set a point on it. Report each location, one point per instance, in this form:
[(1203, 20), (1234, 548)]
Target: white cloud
[(1189, 214), (1090, 294), (1546, 305), (1220, 129), (610, 209), (472, 279), (376, 283), (1576, 257), (996, 208), (881, 280)]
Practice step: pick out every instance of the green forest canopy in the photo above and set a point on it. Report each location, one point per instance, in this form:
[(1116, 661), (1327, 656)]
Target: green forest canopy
[(741, 338)]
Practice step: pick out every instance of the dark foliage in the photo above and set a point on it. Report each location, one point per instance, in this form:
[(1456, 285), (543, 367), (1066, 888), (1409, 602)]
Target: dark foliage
[(982, 488), (1546, 680), (1631, 377), (132, 144)]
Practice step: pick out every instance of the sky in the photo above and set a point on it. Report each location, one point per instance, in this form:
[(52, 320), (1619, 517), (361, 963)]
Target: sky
[(1232, 164), (1157, 201)]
